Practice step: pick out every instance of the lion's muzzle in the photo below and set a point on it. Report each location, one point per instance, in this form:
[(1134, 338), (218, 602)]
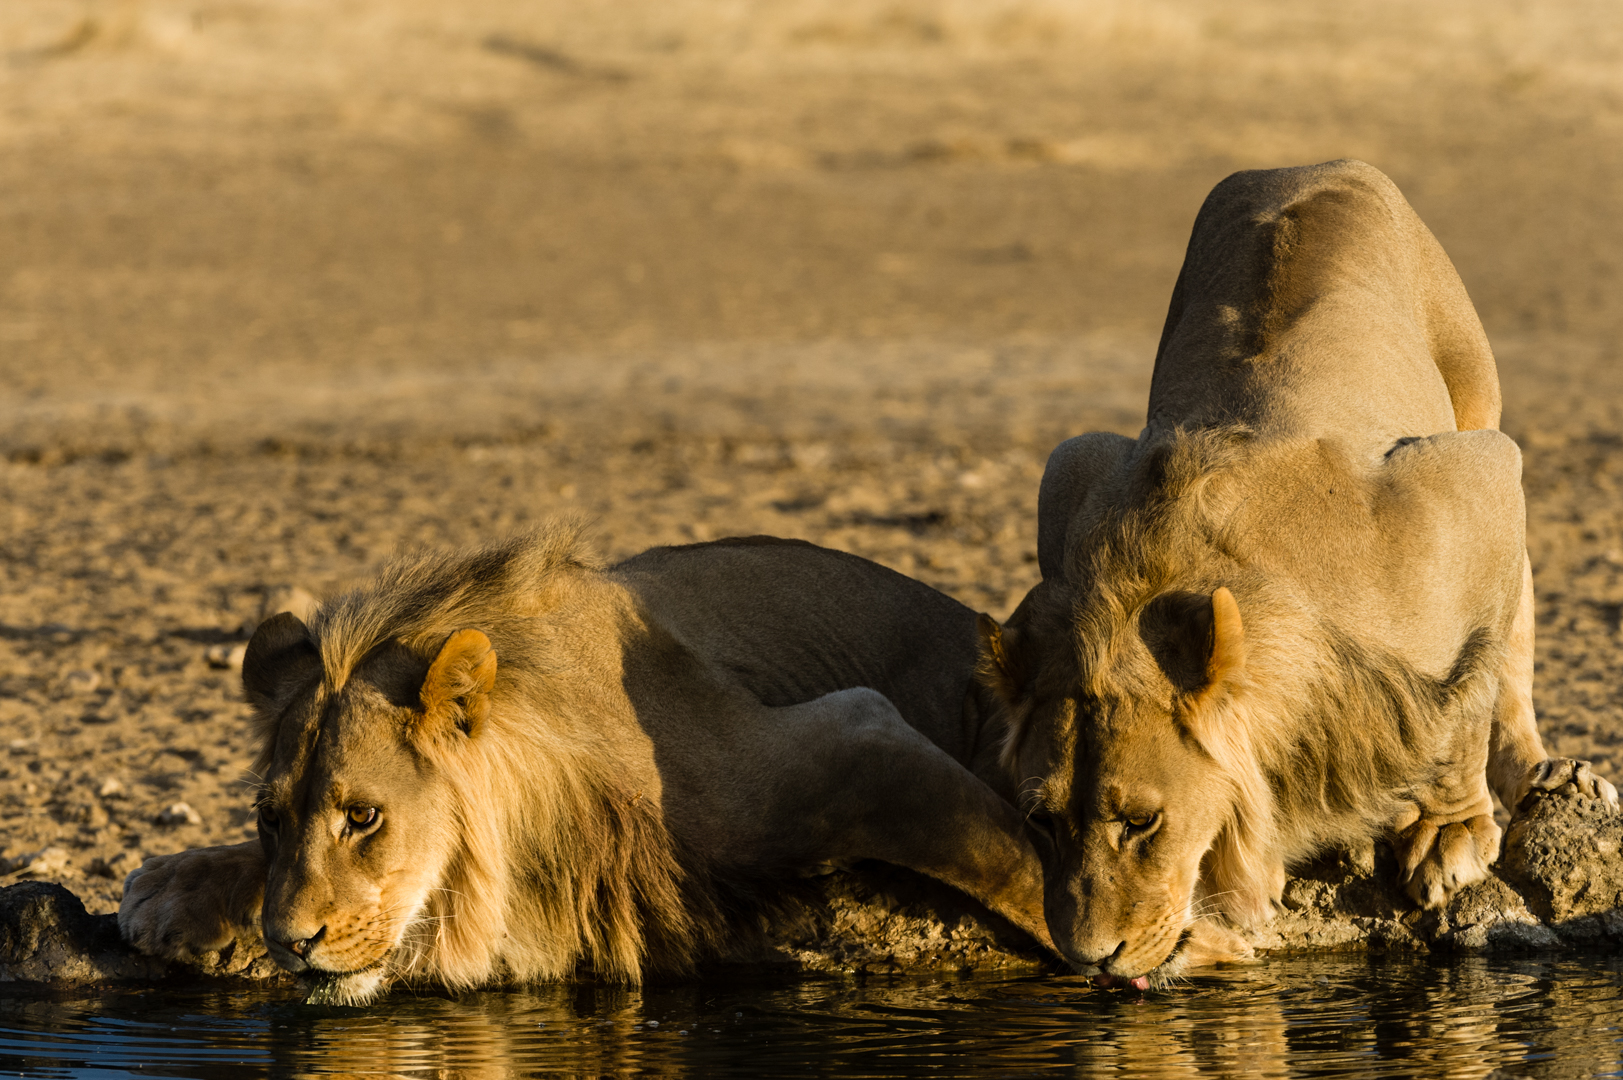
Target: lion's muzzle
[(303, 946)]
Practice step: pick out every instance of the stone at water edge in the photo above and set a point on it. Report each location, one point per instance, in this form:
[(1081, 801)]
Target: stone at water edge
[(46, 936), (1563, 854)]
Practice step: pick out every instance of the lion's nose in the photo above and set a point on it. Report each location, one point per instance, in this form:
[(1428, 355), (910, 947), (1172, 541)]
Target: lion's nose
[(1100, 955), (301, 948)]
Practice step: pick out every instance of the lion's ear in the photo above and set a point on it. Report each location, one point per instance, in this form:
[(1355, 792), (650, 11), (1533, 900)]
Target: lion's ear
[(457, 688), (279, 651), (1226, 661), (1197, 640), (1000, 669)]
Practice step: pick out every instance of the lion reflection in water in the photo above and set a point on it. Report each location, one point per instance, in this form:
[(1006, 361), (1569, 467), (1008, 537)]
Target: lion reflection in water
[(510, 765)]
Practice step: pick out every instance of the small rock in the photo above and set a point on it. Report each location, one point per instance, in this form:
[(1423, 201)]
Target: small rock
[(301, 602), (111, 788), (88, 813), (80, 682), (22, 746), (47, 936), (1299, 895), (48, 862), (226, 657), (178, 814)]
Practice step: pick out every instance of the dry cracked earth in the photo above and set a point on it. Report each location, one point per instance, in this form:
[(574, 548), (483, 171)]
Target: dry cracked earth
[(287, 288)]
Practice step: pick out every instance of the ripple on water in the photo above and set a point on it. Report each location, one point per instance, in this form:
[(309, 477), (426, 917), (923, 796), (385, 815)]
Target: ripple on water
[(1324, 1016)]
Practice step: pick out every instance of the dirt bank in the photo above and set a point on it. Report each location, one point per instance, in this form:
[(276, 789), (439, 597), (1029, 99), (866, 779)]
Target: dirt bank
[(286, 288)]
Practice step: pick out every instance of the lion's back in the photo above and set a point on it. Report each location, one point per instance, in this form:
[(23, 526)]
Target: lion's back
[(791, 621), (1314, 300)]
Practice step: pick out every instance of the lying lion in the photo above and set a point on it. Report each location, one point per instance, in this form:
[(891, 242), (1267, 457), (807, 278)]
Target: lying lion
[(509, 764), (1296, 612)]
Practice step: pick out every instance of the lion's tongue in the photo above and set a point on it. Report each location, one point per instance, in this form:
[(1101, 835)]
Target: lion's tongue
[(1137, 982)]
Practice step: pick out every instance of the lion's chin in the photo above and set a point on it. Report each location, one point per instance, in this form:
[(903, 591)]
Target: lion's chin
[(1203, 942), (343, 988), (1159, 977)]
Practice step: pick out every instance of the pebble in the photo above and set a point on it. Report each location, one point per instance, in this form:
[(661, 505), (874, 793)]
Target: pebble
[(301, 602), (178, 814), (81, 682), (48, 862), (111, 788), (226, 657)]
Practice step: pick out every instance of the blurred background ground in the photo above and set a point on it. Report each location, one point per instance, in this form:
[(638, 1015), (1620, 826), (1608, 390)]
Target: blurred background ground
[(287, 286)]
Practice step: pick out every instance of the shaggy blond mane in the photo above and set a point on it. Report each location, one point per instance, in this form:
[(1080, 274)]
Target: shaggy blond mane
[(1299, 776), (557, 864)]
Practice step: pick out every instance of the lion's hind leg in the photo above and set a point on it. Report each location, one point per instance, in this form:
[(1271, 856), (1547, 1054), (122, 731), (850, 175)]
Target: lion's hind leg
[(1564, 776), (1517, 764)]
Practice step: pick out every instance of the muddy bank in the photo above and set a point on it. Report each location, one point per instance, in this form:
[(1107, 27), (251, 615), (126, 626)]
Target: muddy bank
[(288, 289), (1558, 886)]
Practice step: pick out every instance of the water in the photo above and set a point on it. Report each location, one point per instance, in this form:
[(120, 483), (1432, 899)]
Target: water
[(1323, 1016)]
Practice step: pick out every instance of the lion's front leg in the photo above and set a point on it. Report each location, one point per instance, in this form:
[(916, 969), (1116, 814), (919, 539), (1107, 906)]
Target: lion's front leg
[(848, 779), (186, 905), (1440, 853), (1447, 838)]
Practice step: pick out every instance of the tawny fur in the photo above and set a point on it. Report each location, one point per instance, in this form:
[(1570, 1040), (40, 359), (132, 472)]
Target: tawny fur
[(577, 869), (510, 764), (1295, 612)]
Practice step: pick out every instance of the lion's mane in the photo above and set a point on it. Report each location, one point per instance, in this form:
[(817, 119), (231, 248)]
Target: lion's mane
[(1300, 776), (556, 861)]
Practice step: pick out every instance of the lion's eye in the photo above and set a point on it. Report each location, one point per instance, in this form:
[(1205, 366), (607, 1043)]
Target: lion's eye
[(362, 816), (268, 818), (1141, 822)]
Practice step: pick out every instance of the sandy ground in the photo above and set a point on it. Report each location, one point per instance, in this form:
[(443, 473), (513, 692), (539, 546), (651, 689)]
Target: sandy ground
[(288, 286)]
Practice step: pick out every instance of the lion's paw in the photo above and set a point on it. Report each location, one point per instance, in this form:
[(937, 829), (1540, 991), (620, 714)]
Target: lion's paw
[(1564, 776), (1439, 858), (191, 904)]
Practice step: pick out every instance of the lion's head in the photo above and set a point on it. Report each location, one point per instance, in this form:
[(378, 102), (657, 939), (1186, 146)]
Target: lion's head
[(357, 812), (1122, 757), (444, 790)]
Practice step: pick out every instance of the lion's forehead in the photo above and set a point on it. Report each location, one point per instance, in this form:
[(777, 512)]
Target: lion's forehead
[(353, 745)]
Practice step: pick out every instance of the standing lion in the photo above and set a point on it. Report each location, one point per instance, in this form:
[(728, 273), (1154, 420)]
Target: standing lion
[(508, 764), (1296, 612)]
